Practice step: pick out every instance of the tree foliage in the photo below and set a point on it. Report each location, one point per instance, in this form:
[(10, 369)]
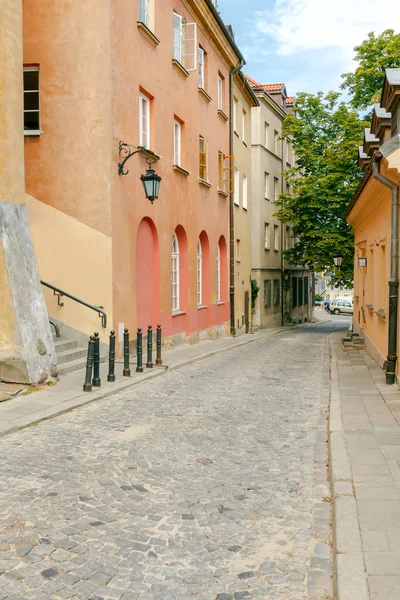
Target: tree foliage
[(373, 56), (325, 135)]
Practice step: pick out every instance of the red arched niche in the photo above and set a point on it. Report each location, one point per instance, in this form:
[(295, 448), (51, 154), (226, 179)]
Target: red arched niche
[(223, 268), (205, 260), (147, 275), (183, 269)]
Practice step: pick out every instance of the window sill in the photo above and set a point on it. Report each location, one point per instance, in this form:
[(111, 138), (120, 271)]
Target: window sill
[(219, 303), (244, 143), (275, 250), (144, 30), (178, 313), (267, 199), (369, 306), (381, 313), (267, 249), (33, 132), (222, 115), (201, 307), (181, 171), (180, 68), (236, 203), (238, 261), (236, 133), (204, 95), (222, 193), (245, 208), (204, 183)]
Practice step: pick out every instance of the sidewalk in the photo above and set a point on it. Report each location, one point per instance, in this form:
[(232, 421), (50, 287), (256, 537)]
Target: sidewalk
[(365, 472), (22, 411)]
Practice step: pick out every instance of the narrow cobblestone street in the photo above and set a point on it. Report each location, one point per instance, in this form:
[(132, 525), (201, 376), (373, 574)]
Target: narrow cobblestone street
[(208, 483)]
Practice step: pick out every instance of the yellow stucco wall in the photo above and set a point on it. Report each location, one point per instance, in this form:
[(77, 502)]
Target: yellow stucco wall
[(74, 258), (12, 187)]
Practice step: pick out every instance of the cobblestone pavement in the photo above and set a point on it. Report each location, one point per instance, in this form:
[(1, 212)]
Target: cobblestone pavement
[(208, 483)]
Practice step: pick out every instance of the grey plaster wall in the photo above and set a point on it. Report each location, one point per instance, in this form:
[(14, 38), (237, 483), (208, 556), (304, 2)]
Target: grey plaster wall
[(37, 357)]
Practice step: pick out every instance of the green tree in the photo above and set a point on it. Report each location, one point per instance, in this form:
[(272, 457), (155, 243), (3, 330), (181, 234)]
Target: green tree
[(325, 135), (373, 56)]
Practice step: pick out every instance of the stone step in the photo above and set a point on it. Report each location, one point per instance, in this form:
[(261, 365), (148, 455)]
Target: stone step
[(70, 355), (62, 344), (70, 367)]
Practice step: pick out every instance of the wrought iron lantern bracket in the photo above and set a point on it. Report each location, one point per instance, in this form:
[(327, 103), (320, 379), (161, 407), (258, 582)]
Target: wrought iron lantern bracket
[(125, 152)]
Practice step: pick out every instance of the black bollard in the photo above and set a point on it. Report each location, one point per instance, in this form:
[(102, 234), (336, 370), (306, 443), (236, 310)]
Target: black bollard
[(87, 386), (158, 359), (126, 372), (149, 364), (96, 362), (139, 351), (111, 358)]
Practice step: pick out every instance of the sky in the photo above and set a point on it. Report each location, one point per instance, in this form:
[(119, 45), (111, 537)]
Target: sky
[(306, 44)]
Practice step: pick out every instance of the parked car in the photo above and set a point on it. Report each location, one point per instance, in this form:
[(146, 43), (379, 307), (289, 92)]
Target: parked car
[(341, 305)]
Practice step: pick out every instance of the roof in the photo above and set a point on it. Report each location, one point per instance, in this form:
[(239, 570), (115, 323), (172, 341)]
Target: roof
[(361, 153), (393, 76), (267, 87), (290, 101), (369, 137), (380, 112)]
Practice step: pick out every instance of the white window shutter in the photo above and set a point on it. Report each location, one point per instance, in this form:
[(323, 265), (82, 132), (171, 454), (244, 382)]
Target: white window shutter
[(190, 53)]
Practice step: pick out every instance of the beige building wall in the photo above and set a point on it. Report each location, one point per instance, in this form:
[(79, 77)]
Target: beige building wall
[(266, 255), (244, 101), (12, 186)]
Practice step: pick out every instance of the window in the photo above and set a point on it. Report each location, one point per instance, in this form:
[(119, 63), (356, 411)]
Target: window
[(300, 291), (266, 236), (175, 273), (177, 37), (202, 56), (276, 142), (203, 158), (235, 109), (267, 293), (221, 184), (276, 237), (31, 101), (266, 135), (266, 186), (236, 195), (277, 292), (306, 290), (199, 274), (287, 151), (276, 182), (237, 250), (287, 238), (244, 125), (294, 292), (287, 188), (218, 274), (144, 121), (244, 192), (144, 11), (177, 143), (220, 92)]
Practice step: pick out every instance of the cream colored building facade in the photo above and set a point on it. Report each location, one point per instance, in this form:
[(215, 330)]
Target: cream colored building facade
[(244, 100)]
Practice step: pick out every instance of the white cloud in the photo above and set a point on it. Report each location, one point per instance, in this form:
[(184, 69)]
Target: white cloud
[(301, 25)]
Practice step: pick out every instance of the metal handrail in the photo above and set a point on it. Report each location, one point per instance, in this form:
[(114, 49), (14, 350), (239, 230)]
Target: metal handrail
[(56, 327), (57, 292)]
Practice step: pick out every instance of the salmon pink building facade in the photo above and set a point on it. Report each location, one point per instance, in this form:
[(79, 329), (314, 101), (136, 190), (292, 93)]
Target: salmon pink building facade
[(155, 75)]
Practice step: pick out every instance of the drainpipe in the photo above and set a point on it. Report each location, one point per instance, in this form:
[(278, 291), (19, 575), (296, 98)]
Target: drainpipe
[(231, 208), (394, 270)]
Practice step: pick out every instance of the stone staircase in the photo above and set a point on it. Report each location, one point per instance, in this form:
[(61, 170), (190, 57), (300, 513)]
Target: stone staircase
[(353, 341), (70, 356)]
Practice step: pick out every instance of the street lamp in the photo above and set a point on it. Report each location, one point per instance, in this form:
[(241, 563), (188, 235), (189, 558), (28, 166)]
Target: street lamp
[(151, 181), (337, 259)]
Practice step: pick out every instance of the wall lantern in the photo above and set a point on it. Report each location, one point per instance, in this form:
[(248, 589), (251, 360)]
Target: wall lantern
[(337, 259), (151, 181), (362, 261)]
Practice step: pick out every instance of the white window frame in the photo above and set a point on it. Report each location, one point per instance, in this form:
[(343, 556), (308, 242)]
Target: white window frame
[(218, 273), (143, 13), (266, 185), (175, 270), (144, 121), (177, 143), (276, 142), (244, 125), (266, 236), (244, 192), (235, 109), (276, 237), (220, 93), (202, 57), (237, 252), (236, 193), (33, 131), (199, 274), (177, 40), (287, 151), (266, 134), (276, 185)]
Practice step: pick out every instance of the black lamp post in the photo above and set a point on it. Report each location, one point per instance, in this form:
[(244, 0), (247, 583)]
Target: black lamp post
[(338, 259), (151, 181)]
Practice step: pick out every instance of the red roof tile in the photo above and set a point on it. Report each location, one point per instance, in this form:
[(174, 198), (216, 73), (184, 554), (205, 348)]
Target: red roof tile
[(290, 101), (268, 87)]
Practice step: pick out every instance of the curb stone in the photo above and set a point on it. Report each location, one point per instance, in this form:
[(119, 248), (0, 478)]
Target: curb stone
[(349, 574)]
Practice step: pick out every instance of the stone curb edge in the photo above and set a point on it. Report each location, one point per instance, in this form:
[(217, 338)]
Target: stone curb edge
[(70, 405), (349, 573)]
